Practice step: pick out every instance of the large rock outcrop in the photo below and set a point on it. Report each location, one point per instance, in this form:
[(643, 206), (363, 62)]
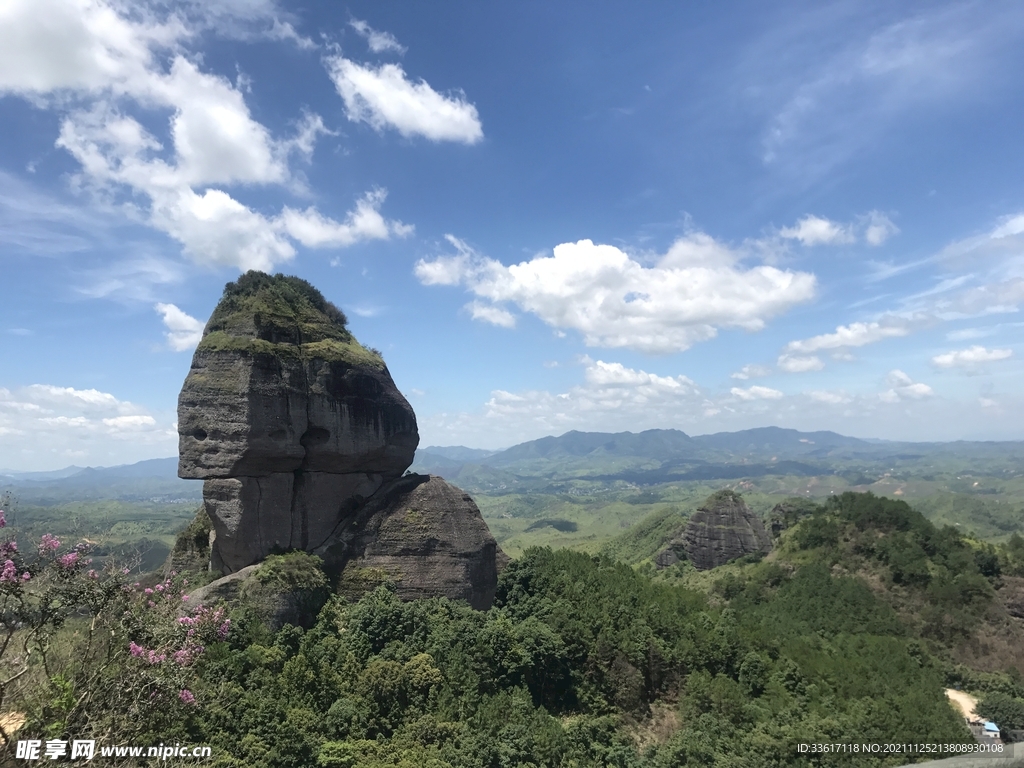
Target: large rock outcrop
[(721, 530), (425, 536), (295, 427)]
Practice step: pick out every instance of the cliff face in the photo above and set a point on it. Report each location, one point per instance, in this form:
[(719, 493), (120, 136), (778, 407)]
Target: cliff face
[(720, 531), (291, 422)]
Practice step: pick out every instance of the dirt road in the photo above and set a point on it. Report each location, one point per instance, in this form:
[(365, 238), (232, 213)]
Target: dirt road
[(965, 702)]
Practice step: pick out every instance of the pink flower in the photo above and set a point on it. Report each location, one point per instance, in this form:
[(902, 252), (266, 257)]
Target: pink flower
[(135, 650), (69, 561), (222, 630), (150, 603), (125, 571), (26, 576), (9, 574), (184, 598), (8, 548), (92, 574), (149, 591), (187, 697), (3, 520), (48, 543)]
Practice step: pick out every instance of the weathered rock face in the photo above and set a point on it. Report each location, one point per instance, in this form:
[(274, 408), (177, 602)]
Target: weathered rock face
[(722, 530), (302, 437), (425, 536), (291, 422)]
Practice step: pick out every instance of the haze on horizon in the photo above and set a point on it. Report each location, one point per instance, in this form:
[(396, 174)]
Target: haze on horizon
[(701, 218)]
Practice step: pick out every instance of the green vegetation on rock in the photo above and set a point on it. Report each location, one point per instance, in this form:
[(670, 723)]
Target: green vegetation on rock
[(282, 316)]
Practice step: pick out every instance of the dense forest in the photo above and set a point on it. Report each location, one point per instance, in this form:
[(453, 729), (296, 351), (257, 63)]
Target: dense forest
[(582, 661)]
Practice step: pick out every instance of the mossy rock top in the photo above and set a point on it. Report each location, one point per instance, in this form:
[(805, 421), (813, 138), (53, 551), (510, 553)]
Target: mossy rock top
[(285, 317)]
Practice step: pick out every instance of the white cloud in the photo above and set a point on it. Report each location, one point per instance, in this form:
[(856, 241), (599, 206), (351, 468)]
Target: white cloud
[(902, 387), (491, 314), (615, 301), (1009, 226), (383, 97), (94, 55), (813, 230), (830, 398), (602, 374), (130, 423), (852, 335), (183, 330), (879, 228), (756, 393), (379, 42), (798, 364), (970, 357), (314, 230), (52, 426), (611, 392), (751, 371), (875, 227)]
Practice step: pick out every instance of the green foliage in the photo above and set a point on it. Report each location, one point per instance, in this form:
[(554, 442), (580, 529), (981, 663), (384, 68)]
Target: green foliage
[(282, 316), (817, 531), (292, 570), (1005, 711), (279, 288), (647, 537), (576, 652)]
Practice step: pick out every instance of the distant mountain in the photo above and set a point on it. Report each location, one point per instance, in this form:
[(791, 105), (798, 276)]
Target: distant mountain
[(457, 453), (428, 462), (153, 479), (53, 474), (659, 444), (766, 440)]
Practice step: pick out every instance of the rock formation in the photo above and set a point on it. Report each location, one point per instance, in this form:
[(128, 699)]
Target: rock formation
[(422, 534), (295, 427), (721, 530)]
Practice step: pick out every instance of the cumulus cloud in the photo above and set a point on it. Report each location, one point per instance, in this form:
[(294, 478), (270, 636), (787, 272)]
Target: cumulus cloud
[(614, 300), (902, 387), (379, 42), (970, 357), (852, 335), (105, 63), (751, 371), (384, 97), (49, 425), (799, 364), (183, 330), (756, 393), (814, 230)]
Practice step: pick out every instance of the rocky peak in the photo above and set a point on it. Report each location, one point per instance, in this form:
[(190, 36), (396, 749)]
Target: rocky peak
[(295, 427), (722, 529)]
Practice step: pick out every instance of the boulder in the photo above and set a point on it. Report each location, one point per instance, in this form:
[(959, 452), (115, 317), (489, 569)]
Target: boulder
[(423, 535), (721, 530)]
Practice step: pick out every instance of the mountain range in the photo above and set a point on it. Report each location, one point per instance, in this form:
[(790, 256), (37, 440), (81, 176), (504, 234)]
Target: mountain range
[(644, 458)]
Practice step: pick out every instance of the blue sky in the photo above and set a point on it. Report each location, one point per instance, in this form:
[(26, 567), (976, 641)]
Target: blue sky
[(547, 216)]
